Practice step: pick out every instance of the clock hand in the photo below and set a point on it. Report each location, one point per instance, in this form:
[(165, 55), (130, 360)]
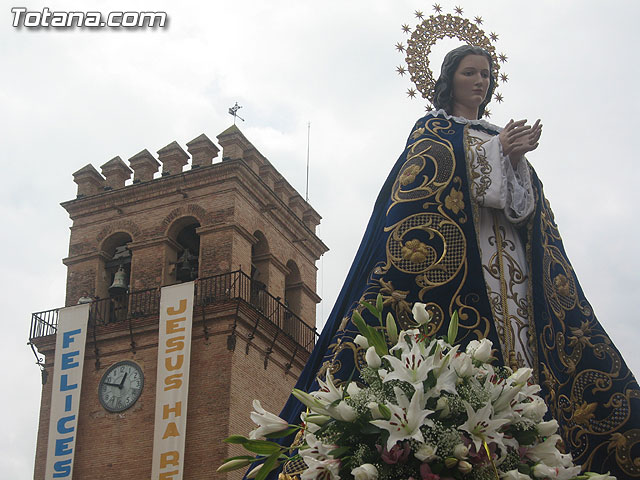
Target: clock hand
[(112, 384), (122, 381)]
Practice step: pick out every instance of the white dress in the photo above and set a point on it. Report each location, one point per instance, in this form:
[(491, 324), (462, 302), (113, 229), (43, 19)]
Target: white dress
[(505, 200)]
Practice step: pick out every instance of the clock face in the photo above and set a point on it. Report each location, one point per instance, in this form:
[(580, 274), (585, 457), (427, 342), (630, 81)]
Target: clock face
[(121, 386)]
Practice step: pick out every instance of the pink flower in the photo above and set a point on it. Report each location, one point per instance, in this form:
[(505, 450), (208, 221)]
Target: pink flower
[(427, 474), (399, 453)]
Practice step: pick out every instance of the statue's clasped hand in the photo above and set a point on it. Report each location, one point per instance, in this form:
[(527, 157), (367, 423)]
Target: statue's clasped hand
[(518, 138)]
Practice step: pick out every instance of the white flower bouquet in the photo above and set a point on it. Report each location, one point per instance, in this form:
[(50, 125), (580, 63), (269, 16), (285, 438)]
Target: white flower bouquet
[(424, 409)]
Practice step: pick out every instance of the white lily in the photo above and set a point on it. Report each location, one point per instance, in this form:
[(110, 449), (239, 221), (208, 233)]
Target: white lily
[(547, 428), (599, 476), (406, 418), (406, 340), (342, 412), (361, 341), (411, 367), (514, 475), (557, 473), (267, 422), (328, 391), (328, 469), (481, 427), (372, 358), (547, 453), (315, 448)]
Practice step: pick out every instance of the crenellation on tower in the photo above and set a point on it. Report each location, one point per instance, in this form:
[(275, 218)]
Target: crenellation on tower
[(89, 181), (144, 166), (173, 159), (202, 151), (116, 173)]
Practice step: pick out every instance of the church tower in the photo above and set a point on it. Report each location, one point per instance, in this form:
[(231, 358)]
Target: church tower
[(237, 229)]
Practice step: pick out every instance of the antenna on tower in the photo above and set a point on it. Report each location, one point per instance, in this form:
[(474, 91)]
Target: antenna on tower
[(308, 137), (234, 111)]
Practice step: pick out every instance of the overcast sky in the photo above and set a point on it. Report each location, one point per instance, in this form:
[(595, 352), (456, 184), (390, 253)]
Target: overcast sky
[(72, 97)]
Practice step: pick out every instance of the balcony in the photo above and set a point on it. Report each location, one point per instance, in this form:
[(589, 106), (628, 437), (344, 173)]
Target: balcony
[(129, 309)]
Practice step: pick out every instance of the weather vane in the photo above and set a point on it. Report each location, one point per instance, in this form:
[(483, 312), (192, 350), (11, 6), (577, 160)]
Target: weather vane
[(433, 28), (234, 111)]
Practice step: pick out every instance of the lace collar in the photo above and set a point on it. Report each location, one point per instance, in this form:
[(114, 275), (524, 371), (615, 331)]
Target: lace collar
[(480, 123)]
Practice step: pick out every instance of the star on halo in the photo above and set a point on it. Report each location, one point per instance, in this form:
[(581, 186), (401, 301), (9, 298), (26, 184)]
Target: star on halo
[(498, 97), (478, 20), (458, 10), (406, 28), (419, 14), (502, 57), (437, 8), (401, 70), (487, 113), (411, 93), (504, 78), (400, 47), (493, 36)]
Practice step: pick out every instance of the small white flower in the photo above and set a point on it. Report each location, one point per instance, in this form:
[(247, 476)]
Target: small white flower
[(420, 314), (267, 422), (365, 472), (372, 358), (425, 452)]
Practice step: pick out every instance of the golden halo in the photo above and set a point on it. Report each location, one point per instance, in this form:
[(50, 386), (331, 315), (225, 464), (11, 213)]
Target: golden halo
[(437, 27)]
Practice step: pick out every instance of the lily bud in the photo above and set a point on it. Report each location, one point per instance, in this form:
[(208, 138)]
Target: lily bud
[(460, 451), (465, 467), (361, 341), (450, 462), (372, 358), (547, 428), (420, 314)]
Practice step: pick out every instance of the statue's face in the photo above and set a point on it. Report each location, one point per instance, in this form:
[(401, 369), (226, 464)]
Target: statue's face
[(471, 82)]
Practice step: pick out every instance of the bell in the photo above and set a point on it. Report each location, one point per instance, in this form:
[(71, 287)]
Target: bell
[(119, 285), (185, 271)]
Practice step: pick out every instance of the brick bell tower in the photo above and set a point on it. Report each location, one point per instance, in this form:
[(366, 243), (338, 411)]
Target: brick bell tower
[(246, 237)]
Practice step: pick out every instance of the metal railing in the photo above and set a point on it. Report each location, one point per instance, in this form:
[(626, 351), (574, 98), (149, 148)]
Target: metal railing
[(210, 290)]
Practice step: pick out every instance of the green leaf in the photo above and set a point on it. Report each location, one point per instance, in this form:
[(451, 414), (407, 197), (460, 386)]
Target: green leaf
[(267, 466), (338, 452), (392, 329), (239, 439), (283, 433), (374, 311), (262, 447), (453, 328), (234, 463), (384, 410)]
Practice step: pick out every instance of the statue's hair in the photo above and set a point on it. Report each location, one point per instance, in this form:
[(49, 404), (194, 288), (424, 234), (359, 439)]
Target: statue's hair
[(443, 96)]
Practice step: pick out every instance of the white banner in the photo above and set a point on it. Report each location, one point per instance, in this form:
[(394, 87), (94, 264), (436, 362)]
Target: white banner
[(65, 395), (172, 383)]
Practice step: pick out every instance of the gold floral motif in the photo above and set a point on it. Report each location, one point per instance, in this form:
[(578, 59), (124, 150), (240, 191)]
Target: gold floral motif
[(409, 175), (561, 282), (583, 413), (415, 251), (454, 201)]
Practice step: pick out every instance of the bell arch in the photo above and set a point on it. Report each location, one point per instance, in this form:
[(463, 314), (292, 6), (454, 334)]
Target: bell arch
[(183, 254)]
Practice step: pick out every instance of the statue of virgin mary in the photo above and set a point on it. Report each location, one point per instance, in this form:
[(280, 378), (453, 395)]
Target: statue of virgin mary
[(462, 224)]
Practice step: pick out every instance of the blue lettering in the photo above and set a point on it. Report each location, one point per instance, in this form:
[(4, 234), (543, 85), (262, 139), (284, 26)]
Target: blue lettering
[(62, 447), (67, 360), (62, 428), (67, 337), (62, 469), (67, 403), (63, 383)]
